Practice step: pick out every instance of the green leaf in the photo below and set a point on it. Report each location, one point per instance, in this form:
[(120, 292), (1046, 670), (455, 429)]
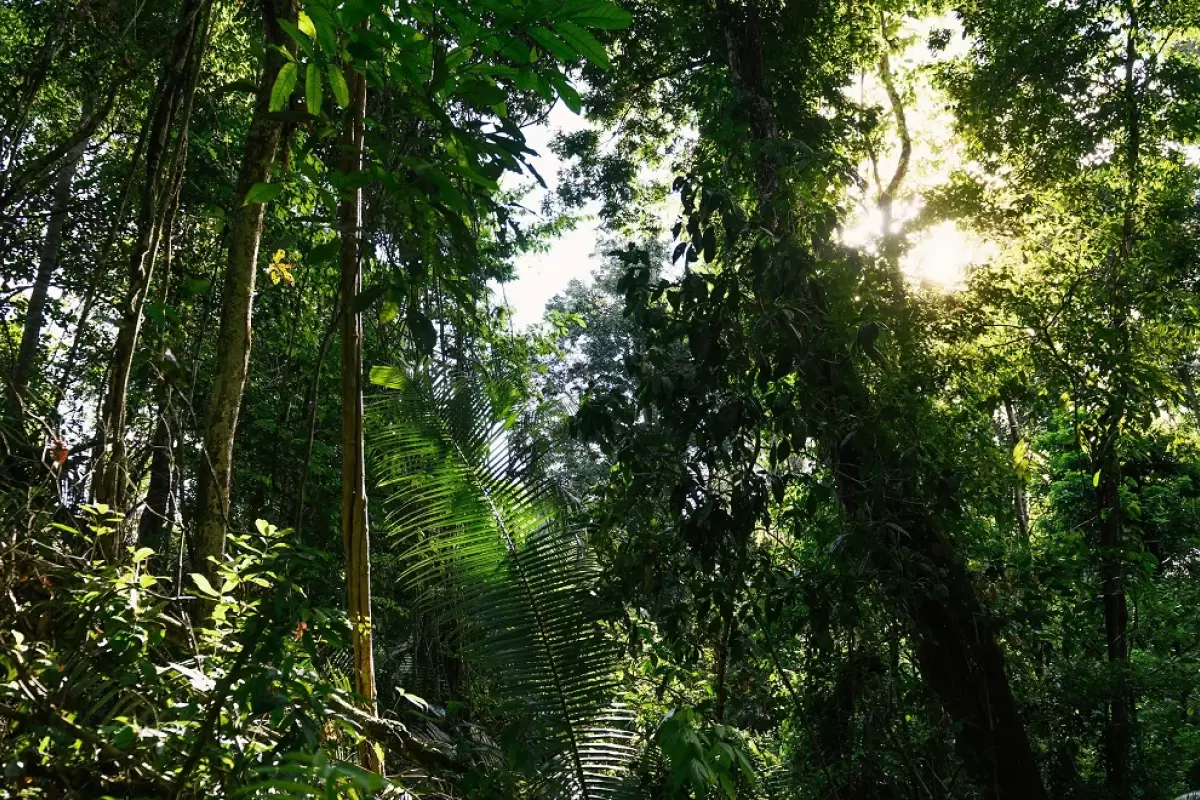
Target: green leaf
[(598, 14), (581, 40), (262, 193), (364, 299), (527, 80), (297, 36), (568, 94), (142, 554), (337, 83), (356, 11), (553, 45), (203, 585), (1096, 479), (388, 377), (312, 89), (285, 83), (423, 333), (390, 309), (325, 253), (325, 29)]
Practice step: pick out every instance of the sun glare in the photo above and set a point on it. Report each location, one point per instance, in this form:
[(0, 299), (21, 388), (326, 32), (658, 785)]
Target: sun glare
[(941, 255)]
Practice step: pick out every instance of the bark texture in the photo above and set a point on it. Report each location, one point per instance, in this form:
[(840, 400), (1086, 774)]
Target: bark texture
[(235, 337)]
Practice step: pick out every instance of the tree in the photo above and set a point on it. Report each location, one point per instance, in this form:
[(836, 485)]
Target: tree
[(234, 339)]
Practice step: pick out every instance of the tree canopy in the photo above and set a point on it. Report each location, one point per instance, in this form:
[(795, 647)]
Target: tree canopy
[(758, 510)]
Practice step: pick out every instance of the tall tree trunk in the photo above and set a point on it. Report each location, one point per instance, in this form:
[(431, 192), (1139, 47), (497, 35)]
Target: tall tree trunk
[(154, 526), (31, 333), (171, 111), (1118, 732), (355, 532), (234, 339), (956, 650)]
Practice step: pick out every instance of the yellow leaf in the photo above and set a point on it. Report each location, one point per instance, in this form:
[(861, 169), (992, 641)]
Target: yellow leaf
[(305, 23), (274, 273)]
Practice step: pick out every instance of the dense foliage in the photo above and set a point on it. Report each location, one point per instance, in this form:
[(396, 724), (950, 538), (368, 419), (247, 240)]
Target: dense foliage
[(756, 512)]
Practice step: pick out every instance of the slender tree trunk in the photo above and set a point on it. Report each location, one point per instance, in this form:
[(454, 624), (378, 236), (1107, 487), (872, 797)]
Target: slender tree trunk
[(1118, 733), (355, 532), (154, 527), (887, 194), (956, 649), (1020, 501), (311, 402), (173, 104), (35, 316), (234, 339)]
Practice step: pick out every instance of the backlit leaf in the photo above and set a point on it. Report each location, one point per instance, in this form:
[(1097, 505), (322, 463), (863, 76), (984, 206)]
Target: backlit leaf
[(285, 84)]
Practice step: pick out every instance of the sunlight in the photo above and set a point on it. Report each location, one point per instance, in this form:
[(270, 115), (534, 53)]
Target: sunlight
[(941, 255)]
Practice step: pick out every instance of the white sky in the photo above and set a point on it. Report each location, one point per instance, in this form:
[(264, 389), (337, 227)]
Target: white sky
[(540, 276)]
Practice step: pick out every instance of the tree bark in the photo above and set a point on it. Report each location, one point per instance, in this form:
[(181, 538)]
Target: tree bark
[(956, 650), (355, 531), (35, 316), (234, 339), (172, 108)]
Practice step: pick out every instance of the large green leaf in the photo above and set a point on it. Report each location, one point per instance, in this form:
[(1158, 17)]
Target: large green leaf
[(285, 84)]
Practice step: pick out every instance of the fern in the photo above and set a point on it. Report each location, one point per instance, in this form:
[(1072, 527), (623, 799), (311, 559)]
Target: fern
[(480, 542)]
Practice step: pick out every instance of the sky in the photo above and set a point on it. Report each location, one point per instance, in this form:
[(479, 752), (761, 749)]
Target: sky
[(540, 276)]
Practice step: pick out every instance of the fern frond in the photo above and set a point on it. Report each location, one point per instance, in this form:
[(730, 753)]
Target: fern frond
[(483, 544)]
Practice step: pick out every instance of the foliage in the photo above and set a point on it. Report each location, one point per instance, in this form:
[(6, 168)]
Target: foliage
[(488, 555), (110, 691)]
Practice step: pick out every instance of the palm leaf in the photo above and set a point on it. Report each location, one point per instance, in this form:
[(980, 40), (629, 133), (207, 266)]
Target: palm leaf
[(480, 541)]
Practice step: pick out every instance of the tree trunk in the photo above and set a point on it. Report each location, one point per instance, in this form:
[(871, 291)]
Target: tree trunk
[(154, 527), (1020, 501), (35, 316), (1118, 730), (355, 533), (234, 339), (311, 402), (172, 108), (956, 650)]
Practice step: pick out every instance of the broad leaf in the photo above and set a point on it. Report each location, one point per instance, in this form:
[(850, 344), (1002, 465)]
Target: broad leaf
[(285, 84)]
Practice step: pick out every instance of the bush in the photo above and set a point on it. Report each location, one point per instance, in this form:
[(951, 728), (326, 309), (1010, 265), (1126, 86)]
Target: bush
[(110, 690)]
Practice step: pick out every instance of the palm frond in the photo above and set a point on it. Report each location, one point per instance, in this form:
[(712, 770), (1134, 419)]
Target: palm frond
[(482, 543)]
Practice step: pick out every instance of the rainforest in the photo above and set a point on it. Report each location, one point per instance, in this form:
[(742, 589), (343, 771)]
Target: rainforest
[(600, 399)]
